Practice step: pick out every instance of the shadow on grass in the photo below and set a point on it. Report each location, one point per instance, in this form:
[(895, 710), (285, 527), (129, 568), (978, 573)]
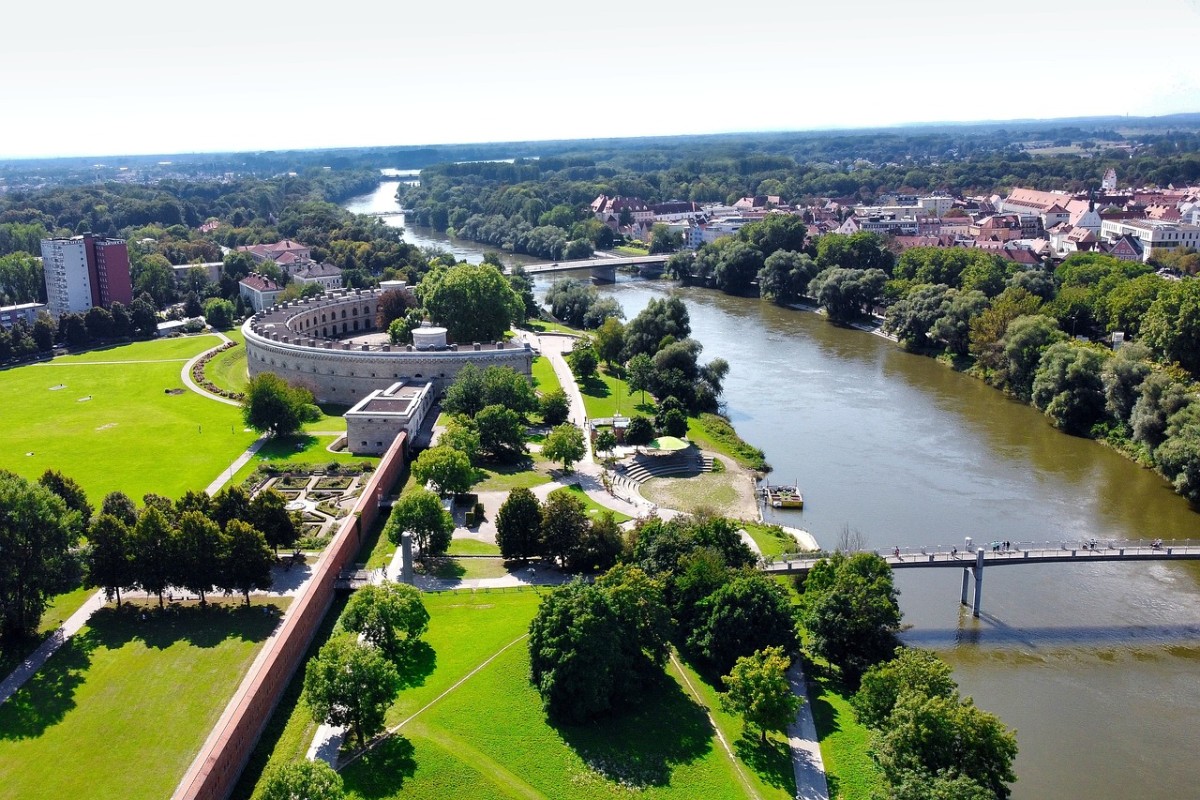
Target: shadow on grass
[(284, 447), (445, 568), (50, 694), (415, 663), (383, 771), (639, 748), (594, 386), (199, 626), (771, 760)]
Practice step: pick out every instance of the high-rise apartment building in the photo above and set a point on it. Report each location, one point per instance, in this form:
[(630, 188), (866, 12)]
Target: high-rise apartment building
[(85, 271)]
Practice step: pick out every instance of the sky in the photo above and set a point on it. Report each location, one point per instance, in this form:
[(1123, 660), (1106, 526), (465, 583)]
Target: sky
[(132, 77)]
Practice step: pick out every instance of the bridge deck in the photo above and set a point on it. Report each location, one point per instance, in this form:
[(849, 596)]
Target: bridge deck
[(1019, 553)]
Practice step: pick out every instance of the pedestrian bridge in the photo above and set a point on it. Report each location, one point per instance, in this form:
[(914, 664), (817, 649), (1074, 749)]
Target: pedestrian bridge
[(972, 559)]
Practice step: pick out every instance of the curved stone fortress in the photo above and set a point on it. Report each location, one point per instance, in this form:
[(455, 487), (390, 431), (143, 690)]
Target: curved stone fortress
[(303, 343)]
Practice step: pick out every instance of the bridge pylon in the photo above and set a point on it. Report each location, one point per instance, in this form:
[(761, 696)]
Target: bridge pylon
[(975, 570)]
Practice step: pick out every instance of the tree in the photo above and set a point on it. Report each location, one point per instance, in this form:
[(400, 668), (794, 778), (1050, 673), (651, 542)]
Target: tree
[(37, 532), (576, 654), (351, 684), (564, 523), (776, 232), (301, 780), (639, 432), (606, 441), (1171, 326), (99, 322), (389, 616), (275, 407), (746, 614), (153, 276), (199, 549), (143, 320), (953, 327), (465, 394), (785, 276), (940, 735), (447, 469), (518, 525), (155, 552), (420, 512), (912, 670), (640, 603), (43, 332), (1068, 387), (246, 560), (400, 331), (1160, 397), (851, 612), (844, 292), (109, 561), (120, 506), (462, 434), (392, 305), (219, 313), (229, 504), (554, 407), (504, 386), (1023, 343), (501, 434), (565, 443), (914, 315), (72, 495), (609, 340), (639, 373), (269, 515), (658, 320), (72, 330), (759, 691), (473, 301), (738, 264), (599, 545), (583, 359)]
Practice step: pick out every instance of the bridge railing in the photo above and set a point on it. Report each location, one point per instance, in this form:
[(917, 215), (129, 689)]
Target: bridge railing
[(1011, 548)]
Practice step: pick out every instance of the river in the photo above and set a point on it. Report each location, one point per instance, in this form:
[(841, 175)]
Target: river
[(1097, 666)]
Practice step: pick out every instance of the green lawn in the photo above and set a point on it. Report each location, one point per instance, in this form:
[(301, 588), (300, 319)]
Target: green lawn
[(605, 394), (506, 477), (549, 326), (593, 508), (628, 250), (544, 377), (472, 547), (844, 741), (61, 607), (121, 710), (713, 432), (302, 449), (332, 419), (114, 424), (464, 568), (772, 540), (228, 369)]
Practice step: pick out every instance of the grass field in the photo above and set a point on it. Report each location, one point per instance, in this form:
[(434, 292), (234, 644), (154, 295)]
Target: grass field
[(712, 432), (594, 509), (605, 394), (114, 424), (506, 477), (709, 490), (844, 741), (772, 540), (472, 547), (122, 708), (544, 377), (61, 606), (228, 369)]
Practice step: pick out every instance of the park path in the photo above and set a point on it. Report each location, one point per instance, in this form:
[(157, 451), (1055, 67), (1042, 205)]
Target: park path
[(553, 346), (227, 474), (807, 763), (186, 374), (27, 668)]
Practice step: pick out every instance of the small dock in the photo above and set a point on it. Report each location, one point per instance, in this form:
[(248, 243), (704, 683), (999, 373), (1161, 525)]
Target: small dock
[(781, 496)]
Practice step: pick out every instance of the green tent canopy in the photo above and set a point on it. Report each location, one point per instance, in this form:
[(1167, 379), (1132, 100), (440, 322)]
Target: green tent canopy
[(669, 444)]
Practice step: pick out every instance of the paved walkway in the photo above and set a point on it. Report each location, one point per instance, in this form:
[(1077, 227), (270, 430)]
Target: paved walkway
[(227, 474), (553, 346), (186, 375), (17, 678), (807, 763)]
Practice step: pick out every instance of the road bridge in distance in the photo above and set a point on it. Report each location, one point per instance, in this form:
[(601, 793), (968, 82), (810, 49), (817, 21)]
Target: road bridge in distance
[(972, 560), (602, 269)]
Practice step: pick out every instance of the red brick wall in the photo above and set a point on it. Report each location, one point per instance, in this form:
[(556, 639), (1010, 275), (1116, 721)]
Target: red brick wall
[(225, 753)]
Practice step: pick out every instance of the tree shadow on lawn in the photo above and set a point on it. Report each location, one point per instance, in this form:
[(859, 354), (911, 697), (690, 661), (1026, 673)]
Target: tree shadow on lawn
[(640, 747), (594, 386), (771, 760), (383, 771), (447, 568), (49, 695), (415, 663), (282, 448), (199, 626)]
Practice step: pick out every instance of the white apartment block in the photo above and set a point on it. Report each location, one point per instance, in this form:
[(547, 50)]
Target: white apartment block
[(1156, 236), (68, 282)]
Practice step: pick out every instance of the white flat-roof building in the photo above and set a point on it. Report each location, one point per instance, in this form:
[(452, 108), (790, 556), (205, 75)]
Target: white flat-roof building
[(376, 420), (1156, 236)]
